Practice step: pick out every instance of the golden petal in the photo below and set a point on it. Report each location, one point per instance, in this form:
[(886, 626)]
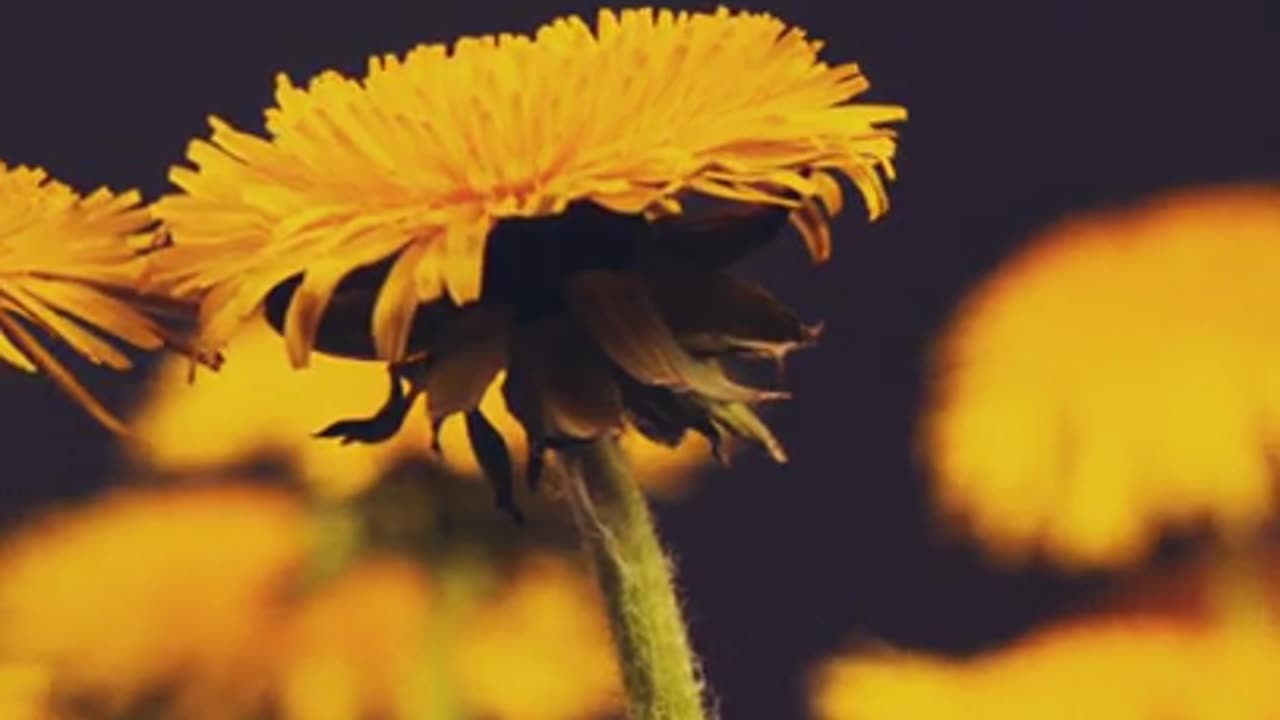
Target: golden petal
[(430, 278), (226, 306), (302, 320), (632, 201), (829, 192), (797, 183), (244, 146), (463, 246), (15, 357), (322, 217), (398, 302), (78, 337), (99, 309), (812, 223), (741, 192), (871, 186), (63, 378)]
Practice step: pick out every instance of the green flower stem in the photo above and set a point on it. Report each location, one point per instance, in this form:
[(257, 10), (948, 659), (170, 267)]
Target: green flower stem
[(658, 665)]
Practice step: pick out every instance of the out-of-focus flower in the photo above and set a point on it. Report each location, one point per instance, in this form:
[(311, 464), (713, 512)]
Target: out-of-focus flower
[(141, 591), (25, 692), (360, 648), (198, 602), (1174, 643), (515, 203), (1121, 669), (1119, 377), (512, 654), (66, 262), (257, 404)]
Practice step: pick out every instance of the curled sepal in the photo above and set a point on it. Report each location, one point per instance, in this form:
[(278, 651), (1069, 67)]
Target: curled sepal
[(712, 313), (622, 317), (560, 385), (491, 452), (739, 420), (383, 424), (465, 358), (661, 415)]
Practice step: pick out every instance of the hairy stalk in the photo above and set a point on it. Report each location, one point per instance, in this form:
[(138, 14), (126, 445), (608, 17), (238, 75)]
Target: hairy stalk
[(659, 668)]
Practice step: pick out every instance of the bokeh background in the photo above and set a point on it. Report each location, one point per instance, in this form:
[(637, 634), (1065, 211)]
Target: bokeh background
[(1020, 113)]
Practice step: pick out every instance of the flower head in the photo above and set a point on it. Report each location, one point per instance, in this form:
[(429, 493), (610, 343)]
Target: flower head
[(66, 264), (1120, 376), (518, 202)]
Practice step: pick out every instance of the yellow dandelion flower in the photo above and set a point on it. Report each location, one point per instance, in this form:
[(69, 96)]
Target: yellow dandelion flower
[(540, 651), (139, 592), (518, 202), (66, 264), (1119, 377), (258, 405), (1130, 669)]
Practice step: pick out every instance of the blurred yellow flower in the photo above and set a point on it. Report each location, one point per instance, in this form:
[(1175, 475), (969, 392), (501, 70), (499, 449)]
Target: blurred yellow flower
[(138, 591), (25, 692), (359, 648), (65, 261), (1120, 376), (1109, 669), (198, 598), (534, 654), (257, 404)]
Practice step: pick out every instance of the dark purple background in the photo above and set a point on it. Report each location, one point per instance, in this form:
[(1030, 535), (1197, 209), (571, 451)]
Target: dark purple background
[(1020, 112)]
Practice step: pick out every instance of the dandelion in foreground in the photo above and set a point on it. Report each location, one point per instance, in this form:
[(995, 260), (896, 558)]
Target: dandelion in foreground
[(68, 268), (565, 207), (1120, 377)]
